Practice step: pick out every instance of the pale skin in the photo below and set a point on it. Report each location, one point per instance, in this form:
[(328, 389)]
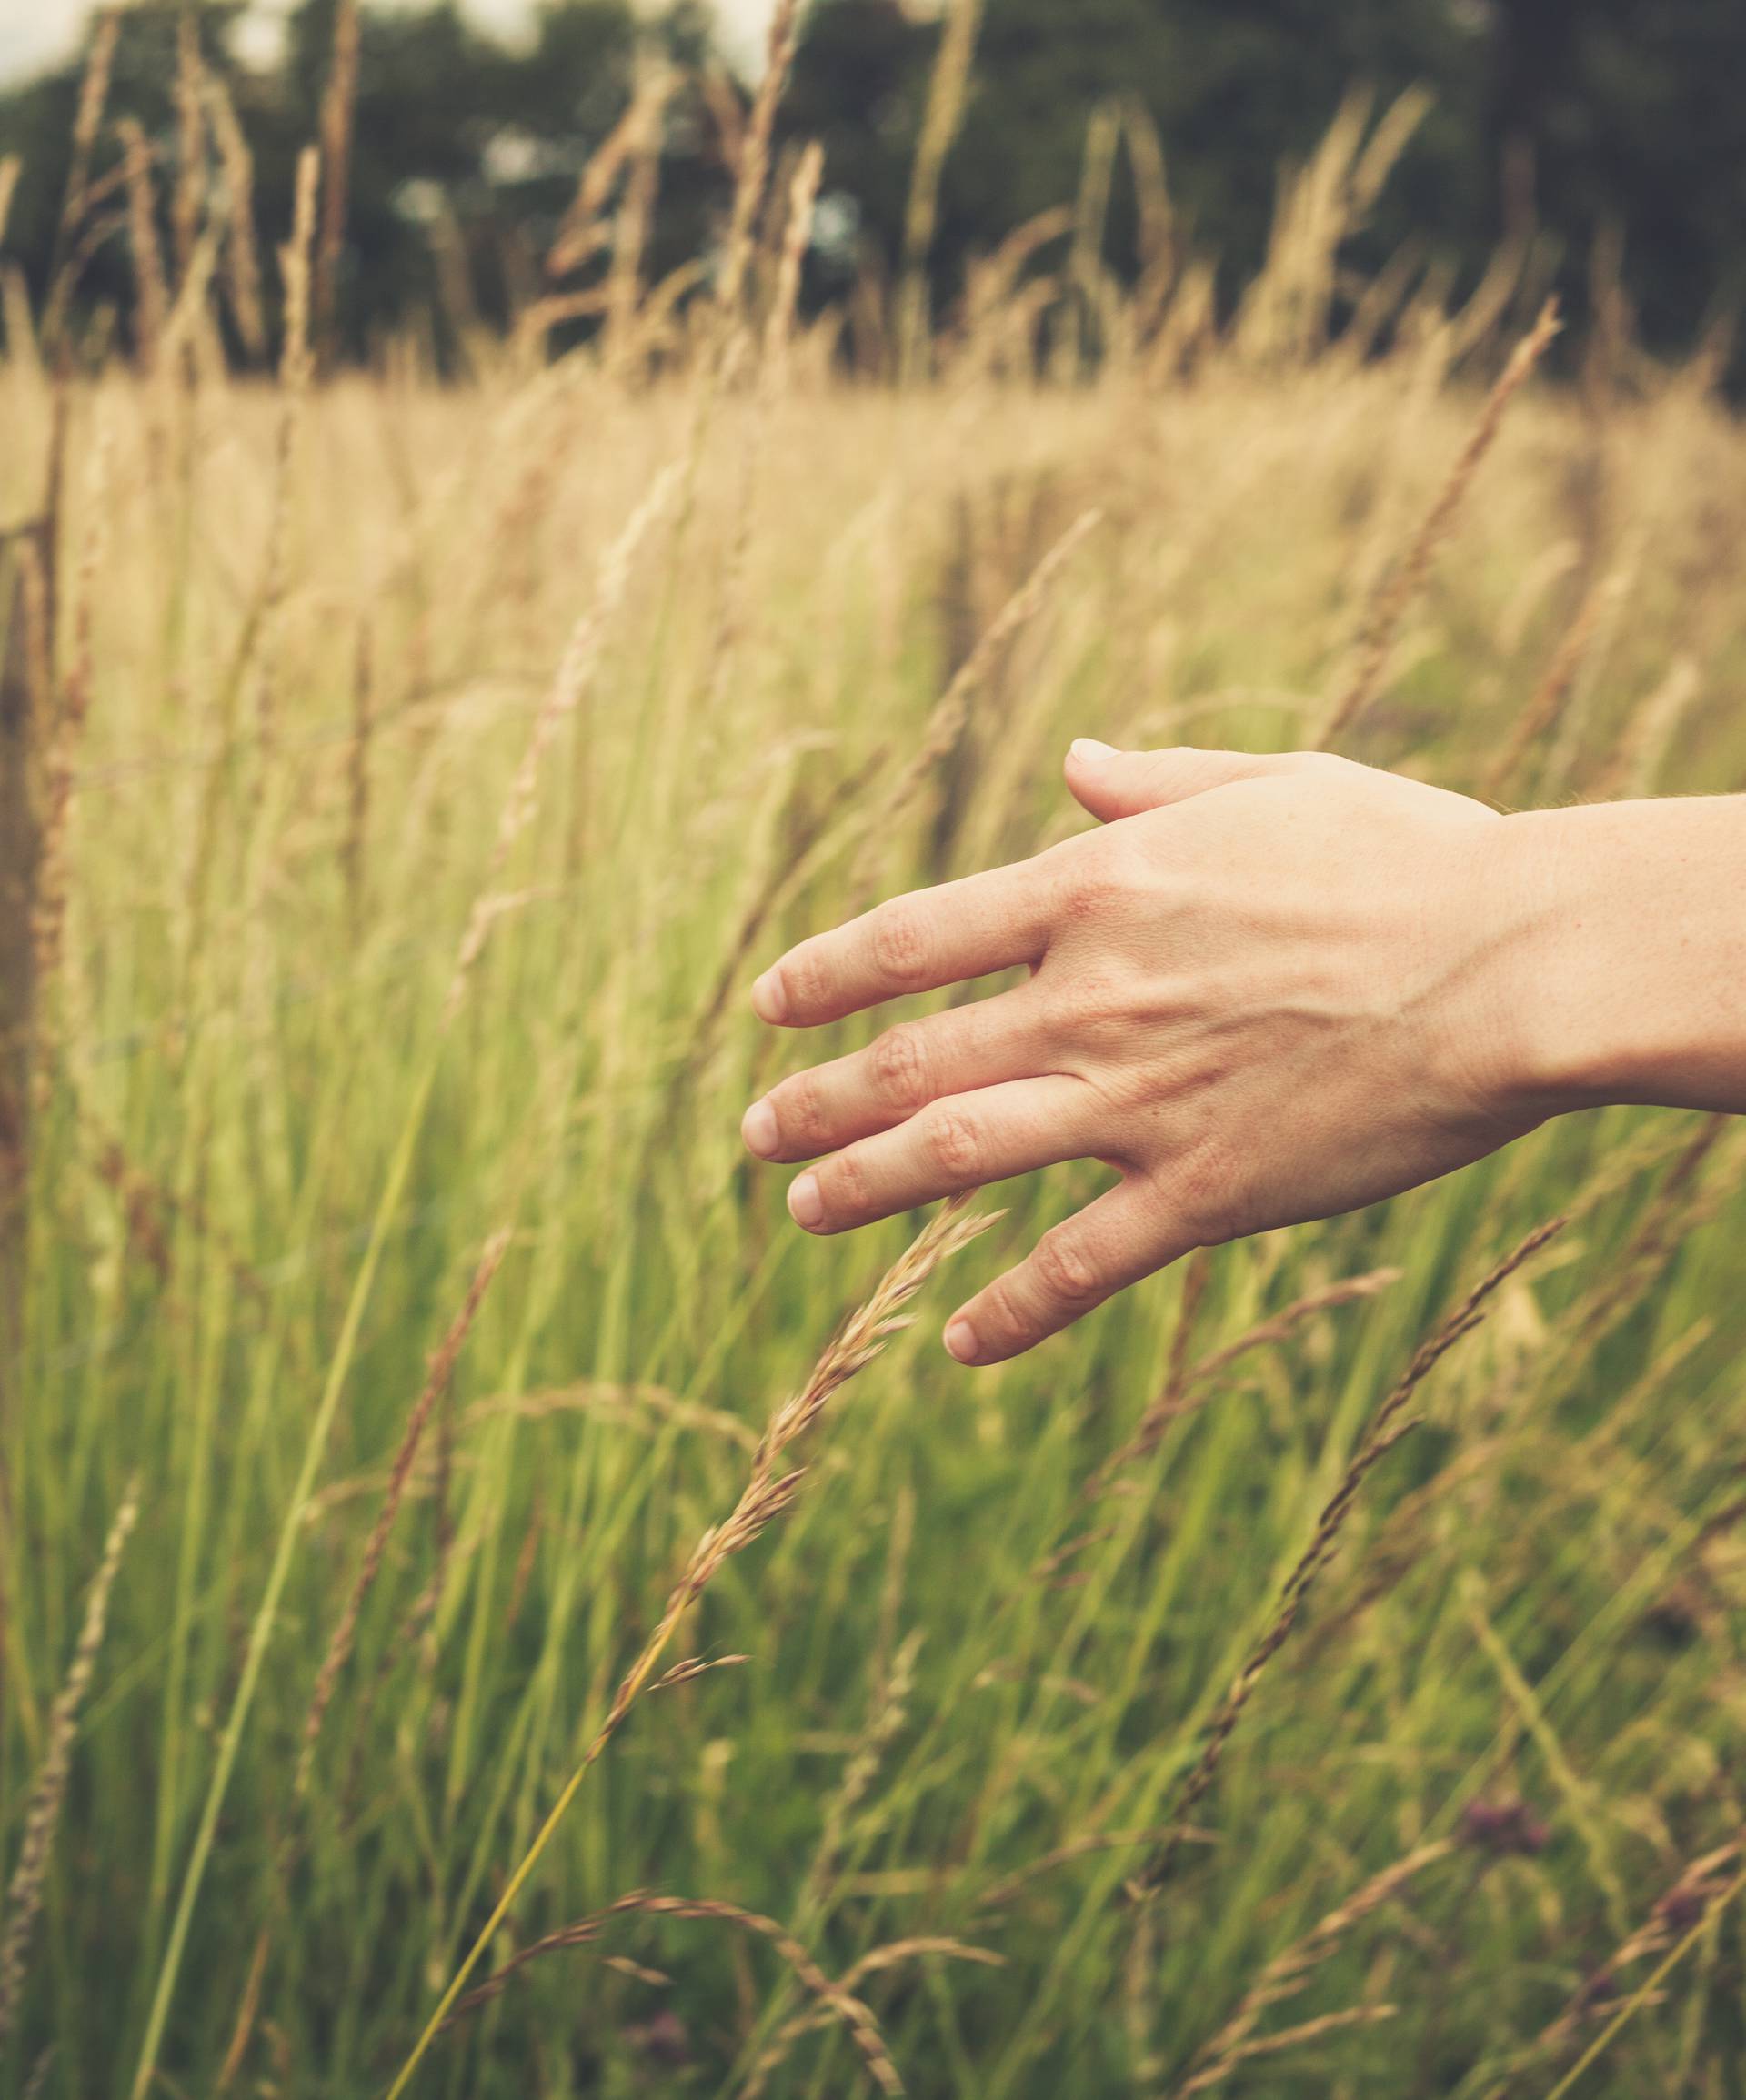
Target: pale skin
[(1264, 990)]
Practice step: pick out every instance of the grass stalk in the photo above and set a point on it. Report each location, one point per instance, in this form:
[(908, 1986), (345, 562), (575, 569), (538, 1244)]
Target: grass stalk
[(769, 1493)]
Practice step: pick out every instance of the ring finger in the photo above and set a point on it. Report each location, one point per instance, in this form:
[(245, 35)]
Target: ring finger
[(908, 1067), (966, 1141)]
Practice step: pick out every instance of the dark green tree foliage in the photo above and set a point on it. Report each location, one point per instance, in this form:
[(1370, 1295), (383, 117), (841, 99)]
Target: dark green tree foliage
[(431, 95), (449, 120), (1614, 118), (1598, 115), (37, 124), (450, 124), (1235, 89), (1629, 114)]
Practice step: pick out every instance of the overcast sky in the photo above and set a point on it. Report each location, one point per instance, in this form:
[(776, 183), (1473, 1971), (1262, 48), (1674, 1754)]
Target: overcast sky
[(32, 32)]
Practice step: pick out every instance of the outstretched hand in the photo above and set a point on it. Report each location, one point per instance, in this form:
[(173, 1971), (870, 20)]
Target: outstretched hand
[(1267, 989)]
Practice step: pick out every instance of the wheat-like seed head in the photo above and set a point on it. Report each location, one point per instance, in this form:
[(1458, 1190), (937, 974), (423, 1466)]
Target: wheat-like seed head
[(151, 297), (575, 676), (1389, 1426), (803, 198), (1402, 586), (338, 105), (767, 1493), (878, 1962), (754, 171), (64, 737), (190, 196), (946, 96), (946, 724), (656, 85), (94, 93), (295, 360), (1701, 1885), (1546, 704), (442, 1368), (42, 1818), (842, 2005), (1288, 1973), (242, 262)]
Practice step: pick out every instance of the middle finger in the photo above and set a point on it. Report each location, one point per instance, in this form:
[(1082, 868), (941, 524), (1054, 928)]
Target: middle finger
[(918, 1062), (967, 1143)]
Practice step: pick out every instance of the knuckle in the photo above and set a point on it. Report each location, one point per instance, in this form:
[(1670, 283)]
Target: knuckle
[(1206, 1194), (846, 1186), (1065, 1271), (955, 1142), (1098, 881), (901, 941), (1097, 998), (900, 1068), (800, 1111), (1089, 894), (807, 980)]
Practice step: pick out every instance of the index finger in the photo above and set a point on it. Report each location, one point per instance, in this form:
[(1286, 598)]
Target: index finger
[(922, 942)]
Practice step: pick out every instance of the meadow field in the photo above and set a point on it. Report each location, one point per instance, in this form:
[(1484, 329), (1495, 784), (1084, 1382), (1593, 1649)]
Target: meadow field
[(1301, 1680)]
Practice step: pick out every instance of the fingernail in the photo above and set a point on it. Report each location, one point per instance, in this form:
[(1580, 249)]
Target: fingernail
[(760, 1131), (962, 1342), (769, 1000), (806, 1205), (1089, 750)]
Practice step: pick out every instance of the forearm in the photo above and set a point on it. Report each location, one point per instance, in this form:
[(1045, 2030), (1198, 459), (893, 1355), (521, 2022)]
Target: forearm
[(1629, 972)]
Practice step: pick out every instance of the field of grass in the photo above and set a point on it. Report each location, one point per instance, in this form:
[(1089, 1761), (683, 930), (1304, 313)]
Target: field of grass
[(1475, 1828)]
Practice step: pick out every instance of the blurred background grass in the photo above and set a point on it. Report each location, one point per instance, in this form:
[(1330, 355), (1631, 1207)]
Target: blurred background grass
[(301, 639)]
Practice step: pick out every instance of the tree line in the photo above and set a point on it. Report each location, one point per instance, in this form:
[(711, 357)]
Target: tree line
[(1611, 133)]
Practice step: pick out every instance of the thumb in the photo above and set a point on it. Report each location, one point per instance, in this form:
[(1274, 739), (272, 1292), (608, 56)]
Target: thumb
[(1112, 784)]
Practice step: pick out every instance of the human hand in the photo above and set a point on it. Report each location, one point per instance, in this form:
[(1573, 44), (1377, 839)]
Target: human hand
[(1269, 989)]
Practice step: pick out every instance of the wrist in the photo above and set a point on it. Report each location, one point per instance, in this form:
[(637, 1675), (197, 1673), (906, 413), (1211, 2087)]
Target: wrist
[(1503, 1045), (1547, 899), (1620, 956)]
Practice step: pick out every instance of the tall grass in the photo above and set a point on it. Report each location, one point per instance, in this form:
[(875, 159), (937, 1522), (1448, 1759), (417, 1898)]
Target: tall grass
[(356, 680)]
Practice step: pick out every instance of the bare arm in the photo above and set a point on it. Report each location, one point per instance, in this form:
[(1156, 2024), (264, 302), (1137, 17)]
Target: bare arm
[(1269, 989), (1635, 986)]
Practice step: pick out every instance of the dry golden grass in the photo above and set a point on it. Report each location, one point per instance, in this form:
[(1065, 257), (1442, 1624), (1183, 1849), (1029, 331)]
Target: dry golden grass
[(429, 770)]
